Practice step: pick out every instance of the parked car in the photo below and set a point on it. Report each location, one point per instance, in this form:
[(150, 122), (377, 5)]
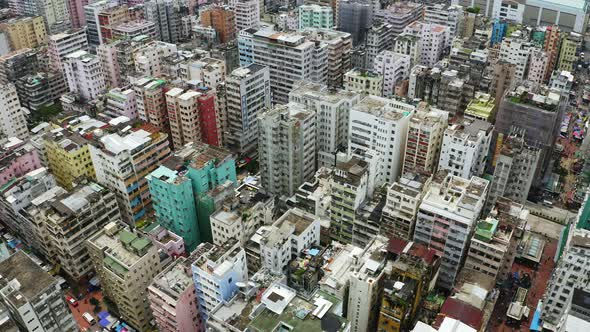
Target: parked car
[(72, 301)]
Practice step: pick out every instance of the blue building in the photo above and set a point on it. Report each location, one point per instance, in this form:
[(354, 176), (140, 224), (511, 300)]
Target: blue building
[(499, 29), (217, 271)]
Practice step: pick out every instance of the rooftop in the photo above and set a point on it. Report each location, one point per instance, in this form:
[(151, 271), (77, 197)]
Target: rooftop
[(130, 141), (384, 108), (32, 280), (70, 204), (453, 194), (321, 92), (400, 247), (338, 268), (481, 106), (298, 219), (122, 248), (363, 73), (175, 279), (198, 155), (298, 314), (215, 258), (470, 130), (351, 171), (243, 72), (533, 95)]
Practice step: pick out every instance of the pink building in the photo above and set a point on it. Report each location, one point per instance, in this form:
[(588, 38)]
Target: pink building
[(76, 9), (169, 242), (173, 300), (17, 159)]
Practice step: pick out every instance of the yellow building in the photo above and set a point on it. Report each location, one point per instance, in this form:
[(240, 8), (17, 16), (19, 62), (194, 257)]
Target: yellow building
[(26, 32), (567, 51), (68, 157)]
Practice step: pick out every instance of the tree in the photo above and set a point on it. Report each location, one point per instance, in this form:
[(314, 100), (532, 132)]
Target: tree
[(94, 301)]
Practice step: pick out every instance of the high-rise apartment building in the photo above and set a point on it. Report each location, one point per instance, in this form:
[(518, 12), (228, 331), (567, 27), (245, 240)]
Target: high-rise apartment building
[(126, 264), (433, 39), (41, 89), (492, 249), (366, 287), (568, 50), (166, 16), (400, 14), (445, 14), (193, 117), (122, 158), (571, 271), (273, 246), (538, 111), (172, 299), (92, 12), (538, 66), (109, 19), (379, 38), (315, 16), (354, 17), (33, 297), (132, 29), (332, 109), (121, 102), (151, 102), (394, 68), (12, 116), (177, 185), (465, 148), (286, 148), (349, 187), (338, 46), (17, 158), (149, 59), (68, 220), (290, 57), (401, 207), (64, 43), (503, 75), (413, 273), (377, 131), (247, 93), (68, 156), (222, 19), (18, 195), (517, 51), (362, 81), (54, 12), (247, 13), (446, 218), (424, 140), (18, 64), (216, 272), (515, 163), (84, 75), (551, 39), (26, 32)]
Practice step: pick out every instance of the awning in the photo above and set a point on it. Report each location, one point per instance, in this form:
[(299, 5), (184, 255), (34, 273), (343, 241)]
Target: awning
[(536, 322)]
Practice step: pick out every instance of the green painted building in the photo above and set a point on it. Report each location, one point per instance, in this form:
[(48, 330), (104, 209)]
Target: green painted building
[(481, 107), (315, 16), (181, 189)]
